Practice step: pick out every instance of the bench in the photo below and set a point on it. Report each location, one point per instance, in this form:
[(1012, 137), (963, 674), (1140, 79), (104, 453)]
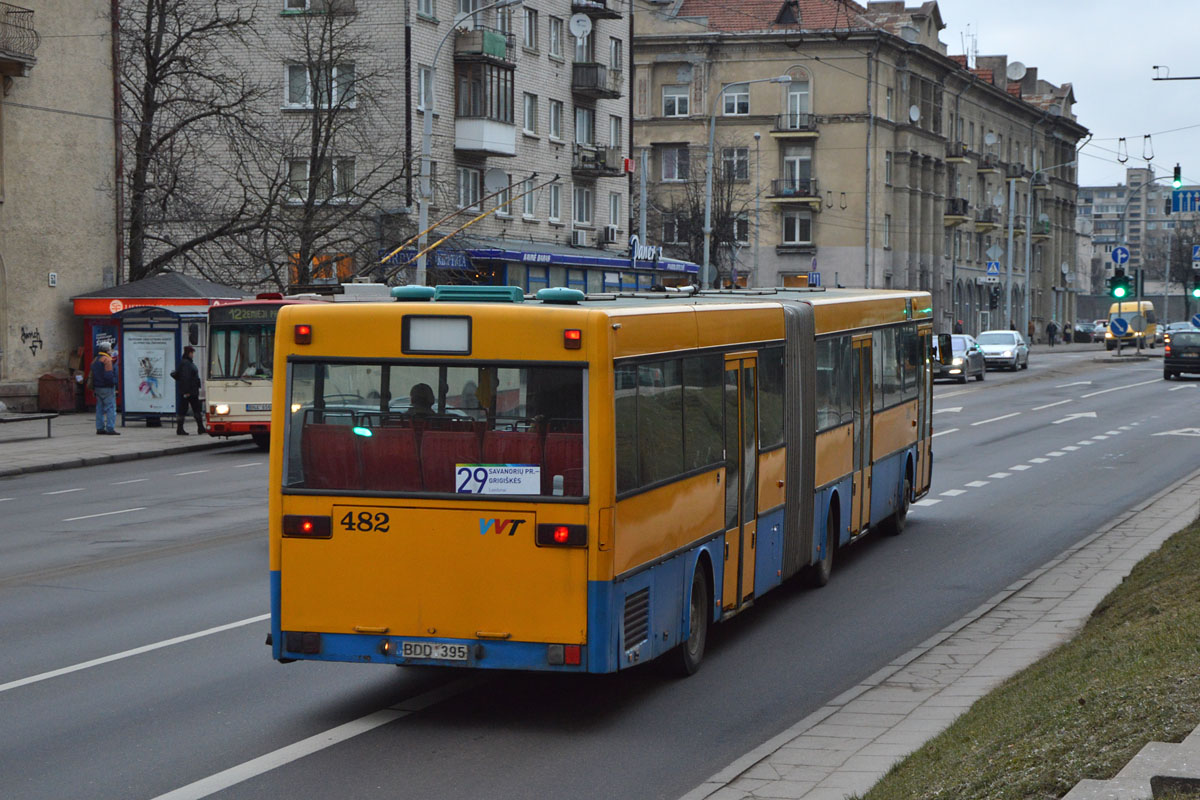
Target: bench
[(30, 417)]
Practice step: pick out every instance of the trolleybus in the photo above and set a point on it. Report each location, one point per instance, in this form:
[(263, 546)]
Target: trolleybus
[(470, 477)]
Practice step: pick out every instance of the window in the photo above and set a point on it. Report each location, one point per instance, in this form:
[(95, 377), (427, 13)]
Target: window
[(484, 90), (614, 131), (424, 87), (503, 198), (582, 207), (887, 231), (531, 113), (675, 163), (741, 228), (585, 125), (736, 163), (469, 181), (555, 202), (675, 101), (616, 60), (887, 168), (323, 86), (426, 8), (837, 375), (672, 231), (737, 100), (529, 200), (797, 227), (797, 167), (770, 396), (888, 106), (583, 50), (334, 179), (466, 7), (530, 37), (504, 21), (556, 37), (614, 208), (556, 115), (536, 278)]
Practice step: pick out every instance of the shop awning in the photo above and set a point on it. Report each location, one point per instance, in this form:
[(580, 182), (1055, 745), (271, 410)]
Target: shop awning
[(167, 289)]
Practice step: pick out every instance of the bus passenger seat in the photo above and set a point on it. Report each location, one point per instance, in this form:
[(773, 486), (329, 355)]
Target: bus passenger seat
[(564, 456), (441, 452), (512, 447), (329, 457), (390, 460)]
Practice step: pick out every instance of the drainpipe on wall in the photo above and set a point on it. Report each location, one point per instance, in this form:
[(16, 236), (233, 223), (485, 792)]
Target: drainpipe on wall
[(868, 256), (408, 117), (119, 167)]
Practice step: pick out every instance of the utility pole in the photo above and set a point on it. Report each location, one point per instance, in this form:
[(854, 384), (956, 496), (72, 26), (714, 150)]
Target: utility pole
[(1012, 195)]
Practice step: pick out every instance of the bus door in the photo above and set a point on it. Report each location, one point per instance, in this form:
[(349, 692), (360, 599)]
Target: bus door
[(924, 404), (860, 507), (741, 477)]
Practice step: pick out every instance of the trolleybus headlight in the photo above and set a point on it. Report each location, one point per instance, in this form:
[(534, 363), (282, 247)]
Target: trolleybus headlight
[(555, 535), (307, 527), (220, 409)]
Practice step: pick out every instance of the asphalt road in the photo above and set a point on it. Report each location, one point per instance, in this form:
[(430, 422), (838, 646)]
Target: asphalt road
[(133, 600)]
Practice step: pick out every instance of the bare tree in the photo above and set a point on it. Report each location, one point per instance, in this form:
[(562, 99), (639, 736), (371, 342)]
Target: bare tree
[(329, 173), (676, 211), (181, 98)]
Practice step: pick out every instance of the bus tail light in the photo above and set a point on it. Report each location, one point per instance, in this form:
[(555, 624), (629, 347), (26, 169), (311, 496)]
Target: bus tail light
[(559, 654), (572, 339), (303, 334), (303, 526), (552, 534)]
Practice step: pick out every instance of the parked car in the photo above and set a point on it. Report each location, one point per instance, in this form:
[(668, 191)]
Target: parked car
[(1084, 331), (1171, 327), (1100, 329), (966, 362), (1005, 349), (1181, 352)]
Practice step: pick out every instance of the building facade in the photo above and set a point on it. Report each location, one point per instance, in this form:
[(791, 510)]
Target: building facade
[(866, 154), (58, 198)]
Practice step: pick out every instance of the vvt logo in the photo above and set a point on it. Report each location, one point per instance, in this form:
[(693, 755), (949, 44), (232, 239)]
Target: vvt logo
[(500, 525)]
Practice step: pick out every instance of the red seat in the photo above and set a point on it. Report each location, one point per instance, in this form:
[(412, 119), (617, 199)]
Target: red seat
[(512, 447), (330, 457), (441, 452), (564, 456), (390, 460)]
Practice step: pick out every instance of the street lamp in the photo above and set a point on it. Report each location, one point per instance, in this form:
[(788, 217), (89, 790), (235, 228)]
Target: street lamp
[(427, 138), (708, 187)]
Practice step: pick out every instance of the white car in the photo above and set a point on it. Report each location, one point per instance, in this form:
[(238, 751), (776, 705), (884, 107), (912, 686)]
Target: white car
[(1004, 349)]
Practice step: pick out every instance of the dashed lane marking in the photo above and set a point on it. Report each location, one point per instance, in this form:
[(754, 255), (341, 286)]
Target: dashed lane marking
[(927, 501), (1020, 467), (62, 491), (996, 419), (1038, 460), (943, 433), (1117, 388), (977, 484), (953, 492), (193, 472), (1052, 405), (1070, 448), (132, 480), (999, 475), (105, 514), (1056, 453), (249, 464)]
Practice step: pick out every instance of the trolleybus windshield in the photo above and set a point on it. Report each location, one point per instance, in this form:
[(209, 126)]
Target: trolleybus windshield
[(241, 342)]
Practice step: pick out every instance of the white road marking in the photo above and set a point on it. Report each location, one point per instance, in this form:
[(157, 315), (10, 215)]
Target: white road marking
[(1056, 453), (1038, 460), (1112, 433), (1177, 388), (952, 410), (5, 499), (95, 662), (953, 394), (313, 744), (1099, 437), (193, 472), (105, 514), (1118, 388), (953, 492), (996, 419), (999, 475), (1085, 442), (1070, 448), (1020, 467), (1176, 432), (1076, 383), (250, 464), (927, 501), (976, 484), (1126, 428), (133, 480), (943, 433), (1052, 405), (1080, 415), (62, 491)]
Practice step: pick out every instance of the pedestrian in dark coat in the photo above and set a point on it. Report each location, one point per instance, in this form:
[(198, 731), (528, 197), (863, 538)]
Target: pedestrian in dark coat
[(1051, 332), (187, 379)]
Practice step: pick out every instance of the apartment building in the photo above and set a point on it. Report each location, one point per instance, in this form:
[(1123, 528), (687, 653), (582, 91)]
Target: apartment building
[(528, 146), (58, 208), (850, 148)]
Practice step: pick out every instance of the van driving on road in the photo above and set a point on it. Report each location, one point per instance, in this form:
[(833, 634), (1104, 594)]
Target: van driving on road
[(1141, 324)]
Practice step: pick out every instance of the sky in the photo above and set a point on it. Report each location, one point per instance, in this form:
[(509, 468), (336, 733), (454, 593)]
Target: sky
[(1107, 51)]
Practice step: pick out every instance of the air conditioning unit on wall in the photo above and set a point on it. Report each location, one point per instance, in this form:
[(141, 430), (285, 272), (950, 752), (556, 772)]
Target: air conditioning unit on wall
[(610, 234), (578, 238)]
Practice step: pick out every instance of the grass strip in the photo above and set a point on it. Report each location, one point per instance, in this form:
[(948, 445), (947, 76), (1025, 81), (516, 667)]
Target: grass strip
[(1131, 676)]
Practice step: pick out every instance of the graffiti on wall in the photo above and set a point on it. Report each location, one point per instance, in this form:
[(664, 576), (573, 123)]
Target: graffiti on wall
[(32, 338)]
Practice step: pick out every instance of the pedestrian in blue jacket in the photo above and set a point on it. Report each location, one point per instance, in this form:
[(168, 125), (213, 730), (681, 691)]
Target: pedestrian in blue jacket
[(104, 386)]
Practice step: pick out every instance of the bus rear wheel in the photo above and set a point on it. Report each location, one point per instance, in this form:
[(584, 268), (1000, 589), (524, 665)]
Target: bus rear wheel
[(895, 524), (262, 440), (823, 569), (688, 655)]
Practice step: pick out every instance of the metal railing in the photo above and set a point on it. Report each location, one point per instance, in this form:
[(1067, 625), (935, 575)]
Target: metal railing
[(795, 121), (794, 187), (17, 35)]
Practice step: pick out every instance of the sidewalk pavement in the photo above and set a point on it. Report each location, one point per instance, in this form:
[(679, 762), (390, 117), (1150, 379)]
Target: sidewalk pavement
[(848, 745), (73, 443)]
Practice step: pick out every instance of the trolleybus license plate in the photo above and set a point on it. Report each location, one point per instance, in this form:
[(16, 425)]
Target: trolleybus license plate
[(258, 406), (446, 652)]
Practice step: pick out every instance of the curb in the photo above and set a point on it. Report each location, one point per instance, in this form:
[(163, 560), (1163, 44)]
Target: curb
[(91, 461)]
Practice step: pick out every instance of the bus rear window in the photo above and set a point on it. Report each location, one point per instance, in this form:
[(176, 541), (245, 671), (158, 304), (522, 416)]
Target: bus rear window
[(434, 428)]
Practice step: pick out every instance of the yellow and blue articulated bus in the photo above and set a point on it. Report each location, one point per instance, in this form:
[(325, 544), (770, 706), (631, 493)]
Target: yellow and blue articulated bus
[(471, 477)]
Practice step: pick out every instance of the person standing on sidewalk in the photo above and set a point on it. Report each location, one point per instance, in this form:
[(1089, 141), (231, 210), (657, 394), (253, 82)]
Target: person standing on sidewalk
[(104, 386), (187, 376), (1051, 332)]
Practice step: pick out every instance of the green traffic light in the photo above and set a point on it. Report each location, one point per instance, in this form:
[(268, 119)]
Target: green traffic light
[(1119, 291), (1196, 292)]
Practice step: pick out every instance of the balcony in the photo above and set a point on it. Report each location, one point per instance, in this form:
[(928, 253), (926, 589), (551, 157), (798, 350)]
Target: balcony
[(956, 152), (596, 9), (957, 209), (485, 44), (795, 125), (986, 219), (595, 80), (1041, 230), (796, 190), (595, 161), (484, 136), (18, 40), (1041, 182), (1015, 172), (988, 162)]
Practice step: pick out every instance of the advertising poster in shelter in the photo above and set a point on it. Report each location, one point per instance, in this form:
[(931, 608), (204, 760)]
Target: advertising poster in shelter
[(147, 359)]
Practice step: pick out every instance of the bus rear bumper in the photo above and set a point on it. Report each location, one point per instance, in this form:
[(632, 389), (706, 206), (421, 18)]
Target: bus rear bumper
[(218, 426)]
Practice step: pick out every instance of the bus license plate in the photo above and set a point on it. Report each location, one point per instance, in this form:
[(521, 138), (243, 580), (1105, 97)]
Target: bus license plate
[(258, 406), (439, 650)]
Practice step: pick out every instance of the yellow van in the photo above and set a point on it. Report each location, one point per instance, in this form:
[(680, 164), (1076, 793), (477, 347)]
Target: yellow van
[(1142, 324)]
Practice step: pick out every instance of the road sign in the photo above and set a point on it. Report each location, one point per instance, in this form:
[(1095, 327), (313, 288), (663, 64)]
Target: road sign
[(1120, 255), (1195, 254), (1119, 326), (814, 279), (993, 269), (1196, 320), (1185, 200), (994, 252)]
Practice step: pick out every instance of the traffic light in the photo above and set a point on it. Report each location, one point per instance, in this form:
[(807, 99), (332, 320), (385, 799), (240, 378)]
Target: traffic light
[(994, 298), (1177, 181), (1119, 285), (1196, 288)]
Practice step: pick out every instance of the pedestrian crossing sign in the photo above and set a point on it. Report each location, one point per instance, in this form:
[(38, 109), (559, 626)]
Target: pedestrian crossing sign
[(993, 269)]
